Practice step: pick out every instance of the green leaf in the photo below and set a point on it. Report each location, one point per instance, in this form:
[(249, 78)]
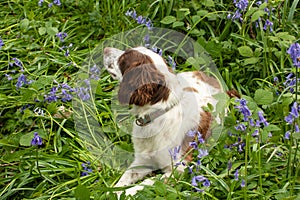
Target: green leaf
[(24, 24), (42, 82), (25, 139), (285, 36), (272, 127), (256, 15), (245, 51), (168, 20), (251, 61), (160, 188), (263, 97), (177, 24), (42, 31), (82, 193), (51, 30)]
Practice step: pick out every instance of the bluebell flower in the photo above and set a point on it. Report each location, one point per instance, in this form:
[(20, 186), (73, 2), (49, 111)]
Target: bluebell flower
[(36, 140), (268, 24), (22, 80), (270, 135), (287, 135), (236, 175), (206, 183), (83, 93), (147, 40), (240, 127), (86, 169), (243, 183), (241, 5), (229, 165), (171, 62), (40, 3), (255, 133), (243, 108), (294, 51), (50, 5), (262, 119), (62, 36), (202, 153), (94, 73), (66, 96), (8, 77), (173, 153), (194, 145), (67, 53), (258, 3), (1, 43), (57, 2), (18, 63), (297, 130)]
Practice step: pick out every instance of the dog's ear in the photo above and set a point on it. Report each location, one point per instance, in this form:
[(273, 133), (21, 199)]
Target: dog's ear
[(142, 82)]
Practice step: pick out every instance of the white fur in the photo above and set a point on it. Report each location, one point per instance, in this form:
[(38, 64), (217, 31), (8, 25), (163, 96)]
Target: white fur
[(153, 141)]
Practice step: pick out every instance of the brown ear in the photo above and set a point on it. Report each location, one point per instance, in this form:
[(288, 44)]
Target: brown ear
[(142, 85)]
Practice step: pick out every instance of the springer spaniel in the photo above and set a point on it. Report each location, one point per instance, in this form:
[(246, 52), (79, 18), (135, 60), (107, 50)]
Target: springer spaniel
[(166, 106)]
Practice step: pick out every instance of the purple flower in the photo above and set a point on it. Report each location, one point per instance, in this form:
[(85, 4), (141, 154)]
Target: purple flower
[(202, 153), (236, 175), (243, 183), (8, 77), (287, 135), (229, 165), (57, 2), (18, 63), (86, 169), (297, 130), (1, 43), (255, 133), (171, 62), (243, 108), (240, 127), (206, 183), (262, 119), (175, 152), (196, 179), (194, 145), (50, 5), (83, 93), (61, 36), (294, 110), (241, 5), (294, 52), (66, 96), (22, 80), (36, 140), (40, 2), (268, 24)]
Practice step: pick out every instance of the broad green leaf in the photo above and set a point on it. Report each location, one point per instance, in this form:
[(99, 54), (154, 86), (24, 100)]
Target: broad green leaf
[(263, 97), (177, 24), (25, 139), (82, 193), (271, 127), (42, 82), (208, 3), (245, 51), (251, 61), (168, 20), (51, 30), (24, 24), (285, 36), (195, 18), (42, 30), (256, 15)]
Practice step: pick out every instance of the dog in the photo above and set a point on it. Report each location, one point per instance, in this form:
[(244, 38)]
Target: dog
[(166, 107)]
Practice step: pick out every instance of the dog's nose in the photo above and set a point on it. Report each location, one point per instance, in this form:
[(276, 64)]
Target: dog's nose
[(106, 50)]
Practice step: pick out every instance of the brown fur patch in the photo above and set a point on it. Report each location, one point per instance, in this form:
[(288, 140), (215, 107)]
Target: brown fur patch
[(233, 93), (190, 89), (204, 126), (207, 79), (142, 82)]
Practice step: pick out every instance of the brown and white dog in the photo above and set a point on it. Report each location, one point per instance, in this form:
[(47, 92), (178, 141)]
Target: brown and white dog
[(166, 105)]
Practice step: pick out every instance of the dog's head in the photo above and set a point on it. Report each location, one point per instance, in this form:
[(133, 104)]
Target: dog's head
[(141, 73)]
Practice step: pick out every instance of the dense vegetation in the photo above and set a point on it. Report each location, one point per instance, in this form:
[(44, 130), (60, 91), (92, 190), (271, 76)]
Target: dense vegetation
[(44, 47)]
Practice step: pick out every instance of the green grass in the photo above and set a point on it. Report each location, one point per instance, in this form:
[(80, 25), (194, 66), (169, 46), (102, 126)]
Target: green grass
[(247, 57)]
